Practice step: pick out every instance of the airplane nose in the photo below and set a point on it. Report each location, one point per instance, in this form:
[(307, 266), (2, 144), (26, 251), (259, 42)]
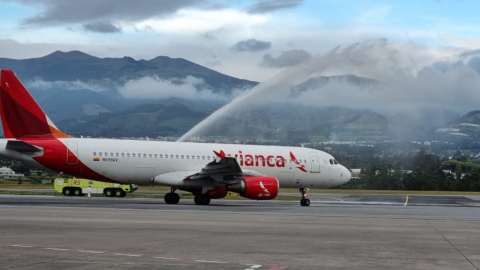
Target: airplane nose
[(347, 174)]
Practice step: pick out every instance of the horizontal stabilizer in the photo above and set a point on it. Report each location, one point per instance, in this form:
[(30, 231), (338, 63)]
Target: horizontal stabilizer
[(21, 146)]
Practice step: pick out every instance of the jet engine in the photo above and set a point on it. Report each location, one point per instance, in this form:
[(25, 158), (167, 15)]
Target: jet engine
[(256, 187), (217, 193)]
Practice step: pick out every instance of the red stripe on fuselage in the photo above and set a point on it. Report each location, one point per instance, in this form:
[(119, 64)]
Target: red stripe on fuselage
[(55, 158)]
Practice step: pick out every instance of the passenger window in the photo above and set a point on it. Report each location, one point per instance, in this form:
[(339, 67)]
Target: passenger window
[(123, 154), (128, 154), (176, 156), (100, 154), (106, 154), (94, 153), (171, 156), (139, 155), (144, 155), (166, 156), (116, 154), (304, 161), (133, 155), (182, 156), (208, 157), (203, 157), (188, 156), (198, 157), (150, 155), (160, 156), (155, 155)]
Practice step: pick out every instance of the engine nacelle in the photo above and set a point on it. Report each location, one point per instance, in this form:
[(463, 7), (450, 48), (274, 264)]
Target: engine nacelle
[(217, 193), (256, 187)]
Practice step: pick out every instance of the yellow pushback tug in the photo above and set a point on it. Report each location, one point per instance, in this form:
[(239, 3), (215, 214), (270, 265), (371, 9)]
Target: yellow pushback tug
[(79, 187)]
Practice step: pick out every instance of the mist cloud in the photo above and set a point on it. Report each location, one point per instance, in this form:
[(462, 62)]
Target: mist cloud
[(404, 78), (251, 45), (40, 84), (156, 88)]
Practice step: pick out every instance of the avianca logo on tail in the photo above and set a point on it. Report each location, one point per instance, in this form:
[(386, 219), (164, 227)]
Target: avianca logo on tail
[(261, 160)]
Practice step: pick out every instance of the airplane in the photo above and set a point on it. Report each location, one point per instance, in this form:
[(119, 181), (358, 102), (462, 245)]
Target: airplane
[(207, 170)]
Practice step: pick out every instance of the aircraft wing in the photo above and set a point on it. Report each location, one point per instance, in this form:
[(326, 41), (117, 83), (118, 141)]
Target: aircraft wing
[(226, 170)]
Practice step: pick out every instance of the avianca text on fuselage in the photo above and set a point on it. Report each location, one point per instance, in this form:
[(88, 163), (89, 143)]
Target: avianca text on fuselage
[(248, 160)]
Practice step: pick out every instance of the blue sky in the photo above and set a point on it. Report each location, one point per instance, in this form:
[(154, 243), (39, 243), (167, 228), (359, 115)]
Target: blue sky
[(207, 33)]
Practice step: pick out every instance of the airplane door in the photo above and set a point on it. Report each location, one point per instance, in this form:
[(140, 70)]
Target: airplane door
[(72, 153), (315, 162)]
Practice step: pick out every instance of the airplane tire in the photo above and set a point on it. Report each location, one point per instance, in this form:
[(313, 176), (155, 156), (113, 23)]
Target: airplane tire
[(167, 198), (305, 202), (202, 199), (67, 191), (172, 198), (119, 193)]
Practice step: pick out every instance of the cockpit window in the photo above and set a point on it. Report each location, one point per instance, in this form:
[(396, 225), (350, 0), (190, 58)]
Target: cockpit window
[(331, 161), (336, 162)]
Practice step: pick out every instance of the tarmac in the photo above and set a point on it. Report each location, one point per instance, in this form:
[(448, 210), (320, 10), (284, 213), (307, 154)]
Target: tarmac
[(338, 231)]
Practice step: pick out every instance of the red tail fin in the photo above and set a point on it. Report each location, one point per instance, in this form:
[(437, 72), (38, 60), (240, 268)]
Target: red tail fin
[(21, 115)]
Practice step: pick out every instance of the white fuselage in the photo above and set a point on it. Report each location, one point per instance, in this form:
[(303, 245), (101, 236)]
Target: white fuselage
[(139, 162)]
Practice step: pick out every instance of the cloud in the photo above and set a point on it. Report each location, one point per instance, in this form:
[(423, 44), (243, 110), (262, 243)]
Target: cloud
[(40, 84), (156, 88), (474, 63), (61, 11), (102, 27), (265, 6), (251, 45), (286, 59)]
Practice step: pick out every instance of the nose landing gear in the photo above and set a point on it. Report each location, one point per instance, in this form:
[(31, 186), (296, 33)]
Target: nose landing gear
[(304, 201)]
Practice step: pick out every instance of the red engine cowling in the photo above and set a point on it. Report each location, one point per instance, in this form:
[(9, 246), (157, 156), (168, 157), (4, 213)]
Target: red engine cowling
[(217, 193), (256, 187)]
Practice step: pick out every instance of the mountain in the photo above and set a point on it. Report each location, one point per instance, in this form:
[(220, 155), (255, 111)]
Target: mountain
[(76, 65), (465, 128), (62, 82)]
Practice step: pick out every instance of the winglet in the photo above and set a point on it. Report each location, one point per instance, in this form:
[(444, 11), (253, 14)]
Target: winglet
[(21, 116)]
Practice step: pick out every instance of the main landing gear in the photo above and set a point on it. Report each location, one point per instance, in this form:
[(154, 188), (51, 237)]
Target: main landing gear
[(201, 199), (304, 201), (172, 197)]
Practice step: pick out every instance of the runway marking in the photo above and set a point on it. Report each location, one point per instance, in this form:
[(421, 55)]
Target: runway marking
[(22, 246), (125, 254), (59, 249), (203, 261), (406, 202), (167, 258), (91, 251), (253, 267)]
